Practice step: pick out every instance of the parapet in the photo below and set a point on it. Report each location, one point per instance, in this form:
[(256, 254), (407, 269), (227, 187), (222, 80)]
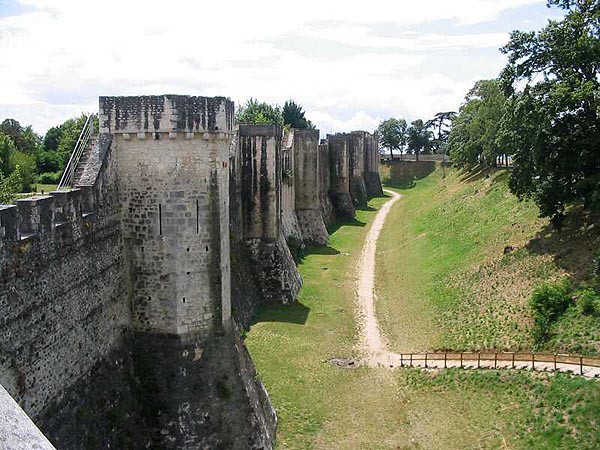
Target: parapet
[(166, 113), (44, 216), (261, 130)]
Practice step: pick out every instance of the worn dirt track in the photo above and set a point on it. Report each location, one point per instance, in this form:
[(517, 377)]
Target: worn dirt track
[(374, 349)]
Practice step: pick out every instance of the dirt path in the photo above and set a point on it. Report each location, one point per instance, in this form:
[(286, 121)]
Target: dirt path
[(374, 349)]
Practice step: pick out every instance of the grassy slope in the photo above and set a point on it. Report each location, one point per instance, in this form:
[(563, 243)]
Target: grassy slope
[(324, 407), (443, 278)]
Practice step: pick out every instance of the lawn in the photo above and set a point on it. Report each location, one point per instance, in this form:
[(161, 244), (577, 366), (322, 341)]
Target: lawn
[(321, 406), (458, 259)]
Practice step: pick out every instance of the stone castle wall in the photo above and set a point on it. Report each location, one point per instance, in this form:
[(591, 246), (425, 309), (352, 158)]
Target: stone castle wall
[(64, 293), (276, 274), (173, 193), (307, 185), (177, 232), (290, 225)]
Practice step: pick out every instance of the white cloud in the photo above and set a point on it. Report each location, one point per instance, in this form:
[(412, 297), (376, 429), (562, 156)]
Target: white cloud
[(56, 58)]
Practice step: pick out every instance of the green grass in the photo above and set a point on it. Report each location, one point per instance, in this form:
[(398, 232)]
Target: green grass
[(321, 406), (46, 188), (444, 282)]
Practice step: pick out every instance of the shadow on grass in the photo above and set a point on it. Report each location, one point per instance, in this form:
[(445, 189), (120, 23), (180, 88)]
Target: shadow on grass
[(322, 250), (479, 172), (345, 223), (574, 246), (365, 208), (296, 313)]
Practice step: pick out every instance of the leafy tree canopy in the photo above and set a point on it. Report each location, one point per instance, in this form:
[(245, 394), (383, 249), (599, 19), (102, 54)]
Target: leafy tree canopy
[(293, 116), (419, 138), (440, 127), (474, 136), (26, 164), (7, 147), (24, 138), (256, 113), (9, 185), (392, 134), (553, 125)]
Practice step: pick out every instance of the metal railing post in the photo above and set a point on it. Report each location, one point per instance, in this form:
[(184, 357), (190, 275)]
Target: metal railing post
[(411, 362), (513, 361), (555, 362), (401, 360), (461, 360), (479, 360), (581, 365), (533, 361), (426, 360), (445, 360), (495, 360)]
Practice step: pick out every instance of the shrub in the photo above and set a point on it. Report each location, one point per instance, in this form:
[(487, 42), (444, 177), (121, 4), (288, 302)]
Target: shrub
[(548, 302), (27, 167), (49, 177), (588, 302)]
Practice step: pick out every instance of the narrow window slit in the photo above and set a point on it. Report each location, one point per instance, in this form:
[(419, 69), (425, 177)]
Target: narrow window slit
[(160, 219), (197, 217)]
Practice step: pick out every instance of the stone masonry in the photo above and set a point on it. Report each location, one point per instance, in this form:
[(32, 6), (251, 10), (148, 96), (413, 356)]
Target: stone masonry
[(122, 299)]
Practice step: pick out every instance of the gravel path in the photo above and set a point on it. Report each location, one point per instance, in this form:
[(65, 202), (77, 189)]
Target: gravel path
[(374, 349)]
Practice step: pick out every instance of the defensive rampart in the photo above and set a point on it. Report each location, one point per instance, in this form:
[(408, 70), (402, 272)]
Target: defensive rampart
[(122, 300)]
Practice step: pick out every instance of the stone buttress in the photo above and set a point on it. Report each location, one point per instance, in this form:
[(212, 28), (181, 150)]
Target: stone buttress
[(307, 186), (261, 215)]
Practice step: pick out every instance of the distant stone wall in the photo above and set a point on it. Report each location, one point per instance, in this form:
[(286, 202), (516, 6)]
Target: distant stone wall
[(261, 179), (325, 204), (307, 179), (339, 165), (372, 178), (289, 219)]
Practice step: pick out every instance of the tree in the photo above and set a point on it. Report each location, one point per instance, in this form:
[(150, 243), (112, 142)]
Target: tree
[(70, 131), (52, 138), (392, 134), (26, 164), (440, 127), (293, 116), (553, 124), (474, 136), (256, 113), (10, 185), (7, 148), (25, 139), (419, 138)]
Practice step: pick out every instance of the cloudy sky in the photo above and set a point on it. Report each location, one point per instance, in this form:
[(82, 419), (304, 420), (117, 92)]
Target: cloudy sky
[(350, 64)]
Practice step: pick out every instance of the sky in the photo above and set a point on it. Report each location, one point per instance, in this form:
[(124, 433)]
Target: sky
[(350, 64)]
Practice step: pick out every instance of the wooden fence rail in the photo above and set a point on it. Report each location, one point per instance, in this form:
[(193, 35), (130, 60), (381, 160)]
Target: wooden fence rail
[(510, 359)]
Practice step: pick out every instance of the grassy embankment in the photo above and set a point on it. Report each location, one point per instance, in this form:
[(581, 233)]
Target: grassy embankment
[(325, 407), (444, 280)]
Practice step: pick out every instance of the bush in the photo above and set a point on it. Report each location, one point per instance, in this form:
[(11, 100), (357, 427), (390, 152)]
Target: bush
[(588, 302), (548, 302), (27, 167), (49, 177)]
